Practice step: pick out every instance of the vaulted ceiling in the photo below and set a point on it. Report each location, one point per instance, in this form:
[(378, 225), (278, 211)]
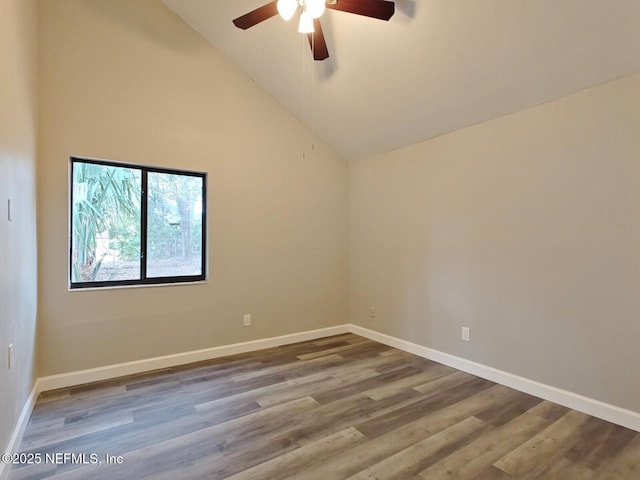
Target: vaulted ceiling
[(435, 67)]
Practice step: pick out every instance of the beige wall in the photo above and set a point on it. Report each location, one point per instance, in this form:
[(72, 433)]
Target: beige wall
[(525, 229), (520, 228), (130, 81), (18, 271)]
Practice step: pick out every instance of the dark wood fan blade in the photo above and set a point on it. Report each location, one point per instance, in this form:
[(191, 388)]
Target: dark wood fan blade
[(381, 9), (317, 42), (256, 16)]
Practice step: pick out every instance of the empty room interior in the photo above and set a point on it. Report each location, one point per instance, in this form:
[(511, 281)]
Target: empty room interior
[(378, 240)]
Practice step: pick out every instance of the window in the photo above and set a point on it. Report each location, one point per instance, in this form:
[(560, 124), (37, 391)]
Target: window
[(135, 225)]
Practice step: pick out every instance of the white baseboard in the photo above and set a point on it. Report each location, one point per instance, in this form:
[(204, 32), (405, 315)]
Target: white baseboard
[(596, 408), (139, 366), (80, 377), (590, 406), (18, 431)]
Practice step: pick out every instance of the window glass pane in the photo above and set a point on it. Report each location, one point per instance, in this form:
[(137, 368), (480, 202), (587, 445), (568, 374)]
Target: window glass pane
[(174, 225), (105, 222)]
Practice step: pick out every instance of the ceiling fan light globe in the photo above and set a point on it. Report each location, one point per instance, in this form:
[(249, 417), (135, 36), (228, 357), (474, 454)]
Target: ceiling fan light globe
[(306, 23), (315, 8), (286, 8)]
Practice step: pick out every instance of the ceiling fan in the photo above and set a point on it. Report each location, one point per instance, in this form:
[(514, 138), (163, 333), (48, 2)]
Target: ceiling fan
[(310, 13)]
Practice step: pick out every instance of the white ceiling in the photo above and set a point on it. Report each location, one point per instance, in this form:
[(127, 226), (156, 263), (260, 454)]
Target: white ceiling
[(435, 67)]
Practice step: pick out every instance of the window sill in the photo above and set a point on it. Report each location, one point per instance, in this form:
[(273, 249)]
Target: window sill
[(143, 285)]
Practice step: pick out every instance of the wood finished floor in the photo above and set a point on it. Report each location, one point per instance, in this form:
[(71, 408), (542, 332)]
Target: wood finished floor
[(338, 408)]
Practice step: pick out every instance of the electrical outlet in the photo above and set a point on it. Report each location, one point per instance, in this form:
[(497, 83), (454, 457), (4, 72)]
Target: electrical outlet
[(465, 334), (10, 356), (246, 320), (372, 312)]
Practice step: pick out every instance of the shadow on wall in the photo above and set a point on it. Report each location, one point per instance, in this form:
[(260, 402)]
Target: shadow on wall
[(325, 69), (407, 7)]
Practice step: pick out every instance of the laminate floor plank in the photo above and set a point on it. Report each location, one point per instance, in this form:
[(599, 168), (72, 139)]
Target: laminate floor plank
[(411, 460), (309, 366), (288, 464), (433, 402), (343, 391), (499, 415), (377, 449), (550, 411), (69, 432), (345, 337), (295, 429), (325, 352), (474, 458), (389, 389), (533, 456), (337, 408), (493, 473), (566, 469), (451, 380), (601, 445), (626, 464)]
